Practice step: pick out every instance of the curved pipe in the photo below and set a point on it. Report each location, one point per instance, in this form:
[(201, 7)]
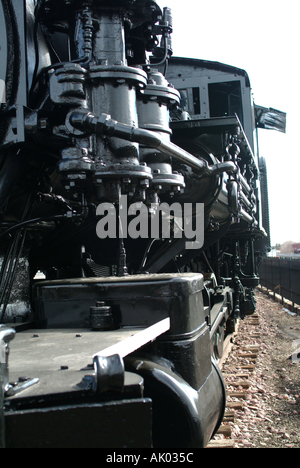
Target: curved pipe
[(104, 125), (219, 168)]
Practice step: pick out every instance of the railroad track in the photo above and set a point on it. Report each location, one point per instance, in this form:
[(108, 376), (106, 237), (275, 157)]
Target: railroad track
[(237, 378)]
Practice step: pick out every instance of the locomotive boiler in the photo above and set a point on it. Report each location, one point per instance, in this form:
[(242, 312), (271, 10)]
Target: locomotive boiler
[(133, 219)]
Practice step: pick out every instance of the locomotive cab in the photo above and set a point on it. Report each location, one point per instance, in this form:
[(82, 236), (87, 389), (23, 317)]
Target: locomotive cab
[(212, 89)]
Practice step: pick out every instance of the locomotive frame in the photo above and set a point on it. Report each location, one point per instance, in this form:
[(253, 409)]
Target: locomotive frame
[(119, 336)]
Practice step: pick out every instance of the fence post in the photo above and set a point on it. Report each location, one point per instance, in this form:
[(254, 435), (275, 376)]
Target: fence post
[(280, 284)]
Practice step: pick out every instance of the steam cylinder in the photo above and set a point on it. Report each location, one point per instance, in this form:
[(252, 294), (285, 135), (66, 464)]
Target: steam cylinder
[(112, 90), (154, 104)]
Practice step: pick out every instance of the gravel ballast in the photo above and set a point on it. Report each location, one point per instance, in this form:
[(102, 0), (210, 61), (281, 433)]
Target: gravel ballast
[(270, 417)]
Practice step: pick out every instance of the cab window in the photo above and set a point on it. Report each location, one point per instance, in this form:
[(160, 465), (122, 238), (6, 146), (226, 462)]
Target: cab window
[(225, 99)]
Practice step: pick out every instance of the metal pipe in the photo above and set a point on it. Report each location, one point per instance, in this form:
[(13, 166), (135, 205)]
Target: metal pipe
[(106, 126), (244, 183), (250, 219), (244, 200), (219, 168)]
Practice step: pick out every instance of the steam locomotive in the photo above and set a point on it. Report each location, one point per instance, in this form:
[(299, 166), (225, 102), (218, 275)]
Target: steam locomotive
[(134, 216)]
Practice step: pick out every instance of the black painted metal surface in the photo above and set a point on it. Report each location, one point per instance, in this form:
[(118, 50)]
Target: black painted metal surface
[(112, 424), (87, 123), (282, 276)]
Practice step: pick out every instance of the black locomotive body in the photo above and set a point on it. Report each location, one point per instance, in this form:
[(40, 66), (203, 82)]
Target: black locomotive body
[(113, 330)]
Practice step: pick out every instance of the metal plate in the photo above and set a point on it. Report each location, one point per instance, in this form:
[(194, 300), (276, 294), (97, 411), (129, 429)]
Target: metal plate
[(112, 424), (59, 358)]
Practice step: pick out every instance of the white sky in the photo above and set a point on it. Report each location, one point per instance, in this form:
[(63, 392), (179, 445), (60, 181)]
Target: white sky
[(263, 38)]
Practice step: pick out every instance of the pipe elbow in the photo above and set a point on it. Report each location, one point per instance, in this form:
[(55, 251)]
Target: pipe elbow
[(219, 168)]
